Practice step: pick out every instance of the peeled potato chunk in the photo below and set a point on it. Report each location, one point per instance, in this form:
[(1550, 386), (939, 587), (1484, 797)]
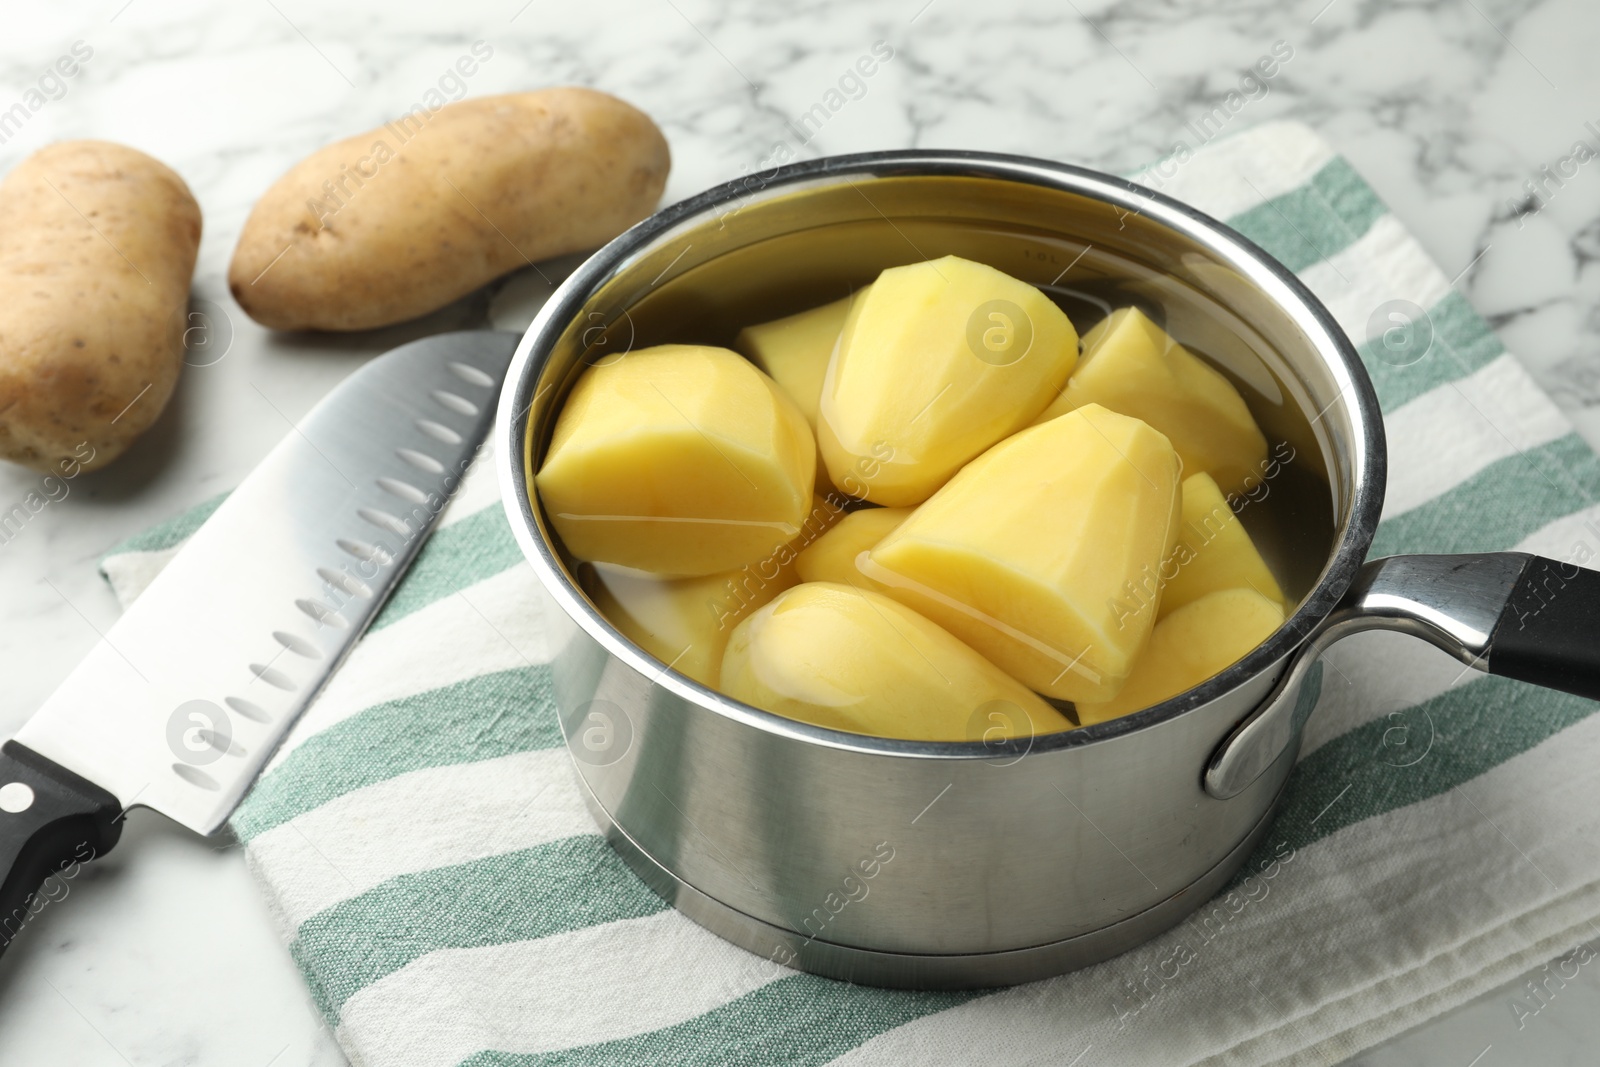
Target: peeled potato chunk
[(938, 361), (685, 622), (854, 660), (1214, 551), (795, 350), (1190, 645), (833, 556), (1131, 366), (1030, 553), (674, 619), (681, 460)]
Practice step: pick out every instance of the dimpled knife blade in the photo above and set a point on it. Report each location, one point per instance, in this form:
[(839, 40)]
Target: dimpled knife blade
[(181, 704)]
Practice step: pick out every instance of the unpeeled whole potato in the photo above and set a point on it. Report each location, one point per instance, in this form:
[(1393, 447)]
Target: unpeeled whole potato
[(97, 247), (374, 229)]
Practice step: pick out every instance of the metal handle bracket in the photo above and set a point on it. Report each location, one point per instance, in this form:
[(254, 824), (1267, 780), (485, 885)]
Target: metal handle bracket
[(1454, 602)]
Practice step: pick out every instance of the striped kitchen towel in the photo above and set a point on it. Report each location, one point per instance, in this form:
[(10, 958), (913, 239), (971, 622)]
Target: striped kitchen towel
[(421, 840)]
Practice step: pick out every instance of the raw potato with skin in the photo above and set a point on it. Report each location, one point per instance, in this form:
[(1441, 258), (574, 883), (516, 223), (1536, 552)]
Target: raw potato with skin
[(97, 247), (482, 187)]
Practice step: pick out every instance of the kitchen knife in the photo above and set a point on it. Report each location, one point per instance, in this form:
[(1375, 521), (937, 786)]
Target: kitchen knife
[(181, 704)]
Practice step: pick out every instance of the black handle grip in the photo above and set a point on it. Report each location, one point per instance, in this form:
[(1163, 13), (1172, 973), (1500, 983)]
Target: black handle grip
[(1549, 632), (51, 820)]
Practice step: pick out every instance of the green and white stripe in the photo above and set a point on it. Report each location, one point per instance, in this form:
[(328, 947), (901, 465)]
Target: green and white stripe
[(423, 844)]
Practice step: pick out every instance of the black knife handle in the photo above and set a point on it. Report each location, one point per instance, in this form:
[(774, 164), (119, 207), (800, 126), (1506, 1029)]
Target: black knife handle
[(51, 822)]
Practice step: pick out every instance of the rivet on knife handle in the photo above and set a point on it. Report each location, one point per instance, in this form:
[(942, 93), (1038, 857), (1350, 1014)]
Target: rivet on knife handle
[(51, 822)]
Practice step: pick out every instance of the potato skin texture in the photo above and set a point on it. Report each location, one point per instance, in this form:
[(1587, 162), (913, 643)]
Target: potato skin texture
[(483, 187), (97, 249)]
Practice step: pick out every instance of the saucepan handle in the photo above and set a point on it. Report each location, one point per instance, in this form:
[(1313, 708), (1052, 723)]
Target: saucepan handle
[(51, 821), (1507, 613), (1549, 631)]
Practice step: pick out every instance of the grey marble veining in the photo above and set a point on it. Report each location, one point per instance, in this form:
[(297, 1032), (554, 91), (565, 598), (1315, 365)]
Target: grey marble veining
[(164, 954)]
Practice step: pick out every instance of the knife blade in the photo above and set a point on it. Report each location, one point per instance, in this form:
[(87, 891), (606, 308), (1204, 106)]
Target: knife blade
[(184, 700)]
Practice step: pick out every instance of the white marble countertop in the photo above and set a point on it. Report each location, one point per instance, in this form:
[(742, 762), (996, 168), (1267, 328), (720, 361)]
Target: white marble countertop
[(165, 955)]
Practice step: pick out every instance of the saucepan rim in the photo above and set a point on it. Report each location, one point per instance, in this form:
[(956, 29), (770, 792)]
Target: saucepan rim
[(1323, 335)]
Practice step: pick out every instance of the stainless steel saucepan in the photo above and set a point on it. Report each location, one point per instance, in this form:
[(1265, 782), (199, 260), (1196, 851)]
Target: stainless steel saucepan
[(966, 864)]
